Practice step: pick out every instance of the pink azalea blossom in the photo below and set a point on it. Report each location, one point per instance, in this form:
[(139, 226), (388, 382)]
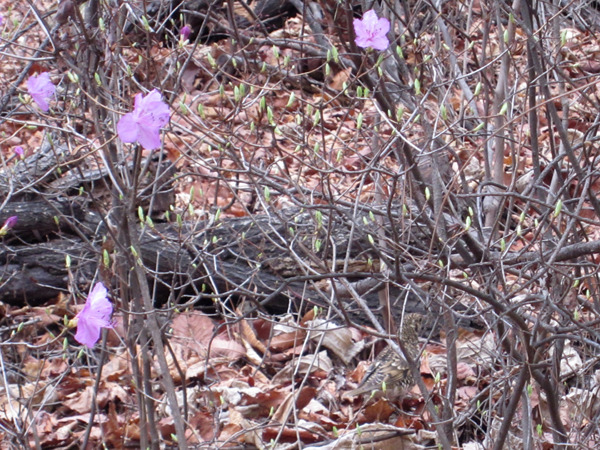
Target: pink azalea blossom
[(371, 31), (143, 124), (41, 90), (185, 32), (94, 316), (19, 151), (8, 224)]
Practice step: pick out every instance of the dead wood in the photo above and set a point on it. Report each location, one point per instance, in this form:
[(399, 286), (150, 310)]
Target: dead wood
[(268, 260)]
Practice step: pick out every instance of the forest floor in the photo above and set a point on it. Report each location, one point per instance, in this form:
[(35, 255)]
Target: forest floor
[(278, 381)]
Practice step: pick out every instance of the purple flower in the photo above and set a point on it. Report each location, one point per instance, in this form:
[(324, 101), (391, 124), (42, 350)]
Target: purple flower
[(185, 32), (8, 224), (1, 20), (371, 31), (19, 151), (142, 125), (94, 316), (41, 90)]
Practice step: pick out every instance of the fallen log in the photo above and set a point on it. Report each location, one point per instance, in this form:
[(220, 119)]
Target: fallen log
[(281, 260), (269, 260)]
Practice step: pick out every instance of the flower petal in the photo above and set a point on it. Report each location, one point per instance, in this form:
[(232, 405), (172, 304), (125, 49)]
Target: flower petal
[(41, 90), (99, 303), (154, 117), (185, 32), (371, 31), (380, 43), (370, 19), (88, 333), (153, 96), (127, 128), (143, 124), (382, 27), (360, 31), (42, 103), (94, 316), (149, 138), (138, 99), (153, 112), (363, 42), (10, 222)]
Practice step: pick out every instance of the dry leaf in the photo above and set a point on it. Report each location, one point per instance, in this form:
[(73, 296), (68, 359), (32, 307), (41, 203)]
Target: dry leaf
[(379, 411), (196, 331), (335, 338), (373, 437), (80, 402), (252, 436), (300, 367), (193, 327), (287, 340), (295, 400)]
